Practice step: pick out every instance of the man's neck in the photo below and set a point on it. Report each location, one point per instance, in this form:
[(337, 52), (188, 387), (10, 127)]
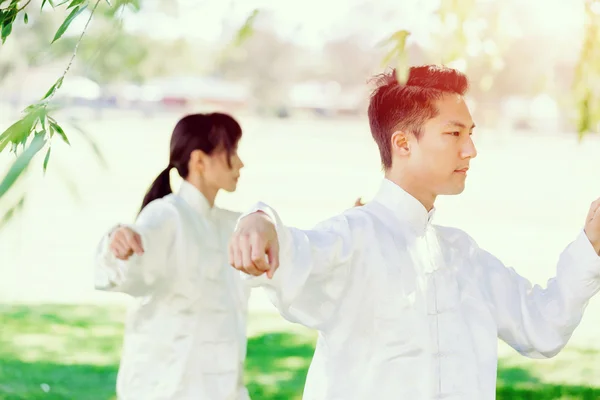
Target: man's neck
[(411, 186)]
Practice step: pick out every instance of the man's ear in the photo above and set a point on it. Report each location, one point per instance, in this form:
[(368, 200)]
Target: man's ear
[(400, 143)]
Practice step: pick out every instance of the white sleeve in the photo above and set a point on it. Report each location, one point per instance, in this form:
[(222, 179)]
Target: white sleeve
[(538, 322), (138, 275), (232, 218), (314, 269)]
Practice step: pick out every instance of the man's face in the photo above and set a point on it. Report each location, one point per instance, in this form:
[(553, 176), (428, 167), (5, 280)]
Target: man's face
[(440, 157)]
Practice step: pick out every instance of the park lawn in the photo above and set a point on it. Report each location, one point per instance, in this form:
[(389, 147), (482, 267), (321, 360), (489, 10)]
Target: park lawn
[(72, 352)]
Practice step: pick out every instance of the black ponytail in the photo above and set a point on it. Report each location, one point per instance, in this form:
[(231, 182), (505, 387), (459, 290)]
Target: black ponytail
[(159, 188)]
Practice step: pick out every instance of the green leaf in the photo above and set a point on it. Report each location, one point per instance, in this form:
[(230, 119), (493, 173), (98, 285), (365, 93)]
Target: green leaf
[(25, 18), (134, 5), (65, 25), (12, 133), (51, 2), (32, 107), (22, 128), (402, 70), (398, 50), (6, 30), (246, 30), (8, 15), (46, 159), (24, 141), (75, 3), (21, 163), (59, 130), (396, 38), (54, 87), (108, 2), (12, 211)]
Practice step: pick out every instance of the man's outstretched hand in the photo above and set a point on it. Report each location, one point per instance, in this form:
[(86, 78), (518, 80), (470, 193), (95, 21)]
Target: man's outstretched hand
[(253, 243), (592, 225)]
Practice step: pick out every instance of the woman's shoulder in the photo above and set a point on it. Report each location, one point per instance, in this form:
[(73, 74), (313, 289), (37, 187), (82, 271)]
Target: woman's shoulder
[(163, 208)]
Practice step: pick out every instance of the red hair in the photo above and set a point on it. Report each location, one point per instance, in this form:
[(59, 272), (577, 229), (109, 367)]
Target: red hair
[(395, 106)]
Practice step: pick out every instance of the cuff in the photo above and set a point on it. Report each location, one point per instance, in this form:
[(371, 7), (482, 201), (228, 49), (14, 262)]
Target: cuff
[(110, 271), (582, 247), (282, 231), (582, 252), (256, 208)]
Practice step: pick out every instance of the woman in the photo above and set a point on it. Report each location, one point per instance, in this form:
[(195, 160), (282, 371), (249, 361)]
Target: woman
[(186, 336)]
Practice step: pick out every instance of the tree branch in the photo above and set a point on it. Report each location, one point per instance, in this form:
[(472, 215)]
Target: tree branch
[(77, 46), (22, 8)]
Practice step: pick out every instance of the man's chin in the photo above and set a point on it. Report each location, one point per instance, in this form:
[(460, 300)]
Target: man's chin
[(459, 190), (453, 191)]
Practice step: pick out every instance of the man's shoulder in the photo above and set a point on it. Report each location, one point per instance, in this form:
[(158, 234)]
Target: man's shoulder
[(351, 219), (359, 216), (454, 235)]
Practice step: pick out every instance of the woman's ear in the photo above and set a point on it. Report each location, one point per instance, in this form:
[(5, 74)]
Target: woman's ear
[(197, 160)]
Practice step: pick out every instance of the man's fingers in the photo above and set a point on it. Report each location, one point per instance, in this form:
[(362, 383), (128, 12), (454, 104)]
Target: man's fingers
[(260, 263), (230, 249), (273, 254), (258, 253), (252, 270), (594, 207), (246, 252), (238, 259)]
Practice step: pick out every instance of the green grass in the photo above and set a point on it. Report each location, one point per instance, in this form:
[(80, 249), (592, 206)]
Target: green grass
[(72, 352)]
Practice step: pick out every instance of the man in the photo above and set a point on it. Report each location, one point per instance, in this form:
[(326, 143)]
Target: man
[(406, 309)]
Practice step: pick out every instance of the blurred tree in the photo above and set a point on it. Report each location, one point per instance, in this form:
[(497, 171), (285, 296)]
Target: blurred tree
[(107, 57), (349, 61), (587, 75), (473, 35), (268, 59), (36, 129)]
